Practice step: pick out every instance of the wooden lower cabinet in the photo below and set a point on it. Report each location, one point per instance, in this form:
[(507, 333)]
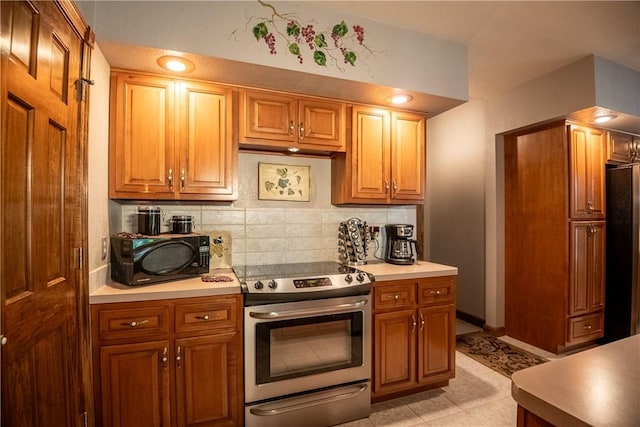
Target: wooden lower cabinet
[(414, 335), (180, 364)]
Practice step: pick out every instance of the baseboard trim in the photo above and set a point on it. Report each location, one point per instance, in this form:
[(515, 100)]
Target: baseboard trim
[(496, 332), (470, 318)]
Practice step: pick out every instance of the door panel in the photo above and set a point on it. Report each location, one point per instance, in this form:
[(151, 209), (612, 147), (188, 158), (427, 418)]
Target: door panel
[(370, 153), (40, 234), (407, 156)]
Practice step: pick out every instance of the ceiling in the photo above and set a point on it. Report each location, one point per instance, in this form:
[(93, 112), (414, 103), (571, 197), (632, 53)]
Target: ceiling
[(511, 42), (508, 43)]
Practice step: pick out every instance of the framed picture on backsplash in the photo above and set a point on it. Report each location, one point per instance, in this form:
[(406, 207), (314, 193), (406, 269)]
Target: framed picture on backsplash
[(284, 182)]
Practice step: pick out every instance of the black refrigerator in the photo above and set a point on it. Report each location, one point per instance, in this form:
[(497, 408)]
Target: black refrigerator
[(622, 293)]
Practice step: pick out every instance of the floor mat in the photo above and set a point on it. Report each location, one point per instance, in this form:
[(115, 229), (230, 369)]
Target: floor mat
[(495, 353)]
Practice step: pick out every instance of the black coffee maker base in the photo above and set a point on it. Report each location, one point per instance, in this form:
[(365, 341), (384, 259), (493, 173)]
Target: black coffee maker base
[(398, 261)]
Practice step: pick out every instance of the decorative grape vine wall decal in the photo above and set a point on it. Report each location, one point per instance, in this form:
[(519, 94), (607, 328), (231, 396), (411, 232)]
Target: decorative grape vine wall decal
[(339, 45)]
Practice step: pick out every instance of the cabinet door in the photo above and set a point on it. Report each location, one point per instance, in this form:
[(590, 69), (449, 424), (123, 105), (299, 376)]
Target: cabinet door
[(267, 116), (370, 148), (436, 342), (587, 152), (587, 276), (621, 148), (141, 155), (395, 351), (208, 158), (135, 384), (407, 156), (322, 124), (208, 378)]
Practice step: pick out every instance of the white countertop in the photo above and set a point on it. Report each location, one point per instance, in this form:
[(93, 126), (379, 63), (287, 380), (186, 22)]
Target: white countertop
[(596, 387), (194, 287), (385, 271)]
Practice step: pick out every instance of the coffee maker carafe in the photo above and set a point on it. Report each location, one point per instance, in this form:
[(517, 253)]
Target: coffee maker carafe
[(400, 246)]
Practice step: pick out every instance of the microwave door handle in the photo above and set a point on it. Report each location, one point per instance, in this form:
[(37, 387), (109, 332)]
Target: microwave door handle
[(290, 314)]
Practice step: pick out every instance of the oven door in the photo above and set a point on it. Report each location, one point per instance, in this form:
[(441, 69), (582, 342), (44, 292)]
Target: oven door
[(302, 346)]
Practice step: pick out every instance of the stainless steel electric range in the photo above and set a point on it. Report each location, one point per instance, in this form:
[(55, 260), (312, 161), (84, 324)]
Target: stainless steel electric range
[(307, 343)]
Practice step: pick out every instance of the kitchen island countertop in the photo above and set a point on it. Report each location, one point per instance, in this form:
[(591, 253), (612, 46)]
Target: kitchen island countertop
[(596, 387), (386, 271), (194, 287)]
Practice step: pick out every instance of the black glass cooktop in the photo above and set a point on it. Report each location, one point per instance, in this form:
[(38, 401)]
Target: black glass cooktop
[(288, 271)]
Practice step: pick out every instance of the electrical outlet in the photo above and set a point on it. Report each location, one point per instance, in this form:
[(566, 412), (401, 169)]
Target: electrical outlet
[(104, 248)]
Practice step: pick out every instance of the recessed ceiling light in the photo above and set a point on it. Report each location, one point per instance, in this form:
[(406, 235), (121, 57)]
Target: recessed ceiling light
[(176, 64), (400, 99), (605, 118)]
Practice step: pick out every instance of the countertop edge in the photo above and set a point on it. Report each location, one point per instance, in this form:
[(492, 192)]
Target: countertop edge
[(543, 409)]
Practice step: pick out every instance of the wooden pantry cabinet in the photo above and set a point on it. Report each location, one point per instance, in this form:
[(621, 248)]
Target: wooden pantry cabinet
[(413, 336), (171, 139), (277, 120), (554, 235), (385, 159), (168, 362), (622, 147)]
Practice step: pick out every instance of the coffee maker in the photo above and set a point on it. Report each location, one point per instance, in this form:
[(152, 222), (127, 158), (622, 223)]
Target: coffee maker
[(400, 246)]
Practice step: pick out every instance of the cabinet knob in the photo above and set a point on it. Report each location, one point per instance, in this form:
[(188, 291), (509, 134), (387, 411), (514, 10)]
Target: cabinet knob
[(587, 327), (395, 186), (135, 323), (183, 176), (291, 128), (396, 297), (3, 340), (413, 320), (165, 357), (301, 131), (205, 317), (170, 178), (421, 321), (386, 186)]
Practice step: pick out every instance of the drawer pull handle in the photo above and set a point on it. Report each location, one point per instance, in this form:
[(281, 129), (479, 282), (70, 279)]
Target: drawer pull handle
[(165, 357), (396, 297), (179, 357), (435, 292), (587, 326), (133, 323), (205, 317), (421, 321), (414, 323)]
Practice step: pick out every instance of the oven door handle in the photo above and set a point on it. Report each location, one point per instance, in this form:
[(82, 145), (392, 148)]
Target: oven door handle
[(303, 405), (289, 314)]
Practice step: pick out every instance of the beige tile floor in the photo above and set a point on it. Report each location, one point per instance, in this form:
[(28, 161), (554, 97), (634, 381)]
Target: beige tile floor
[(477, 396)]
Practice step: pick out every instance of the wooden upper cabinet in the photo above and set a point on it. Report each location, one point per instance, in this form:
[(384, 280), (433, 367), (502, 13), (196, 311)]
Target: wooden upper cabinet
[(408, 156), (171, 139), (622, 147), (385, 159), (587, 156), (142, 136), (275, 121), (208, 155)]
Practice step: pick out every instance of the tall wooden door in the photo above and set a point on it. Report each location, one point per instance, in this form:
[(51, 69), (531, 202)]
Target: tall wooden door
[(41, 236)]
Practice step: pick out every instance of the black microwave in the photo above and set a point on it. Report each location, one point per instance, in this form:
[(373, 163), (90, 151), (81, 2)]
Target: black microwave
[(154, 259)]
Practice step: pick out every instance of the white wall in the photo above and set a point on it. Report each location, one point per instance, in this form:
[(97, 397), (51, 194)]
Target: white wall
[(98, 153), (223, 29), (455, 214)]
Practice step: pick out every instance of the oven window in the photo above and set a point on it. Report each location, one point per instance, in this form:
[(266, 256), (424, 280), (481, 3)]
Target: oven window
[(296, 348)]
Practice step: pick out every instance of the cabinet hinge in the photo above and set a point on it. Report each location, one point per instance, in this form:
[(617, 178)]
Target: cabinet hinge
[(80, 258), (81, 85)]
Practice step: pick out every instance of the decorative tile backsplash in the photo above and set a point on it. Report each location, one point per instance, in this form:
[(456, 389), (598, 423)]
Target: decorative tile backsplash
[(277, 235)]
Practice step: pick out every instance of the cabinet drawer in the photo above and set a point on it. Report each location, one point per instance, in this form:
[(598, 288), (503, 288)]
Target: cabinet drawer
[(205, 316), (436, 290), (585, 328), (130, 323), (394, 296)]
